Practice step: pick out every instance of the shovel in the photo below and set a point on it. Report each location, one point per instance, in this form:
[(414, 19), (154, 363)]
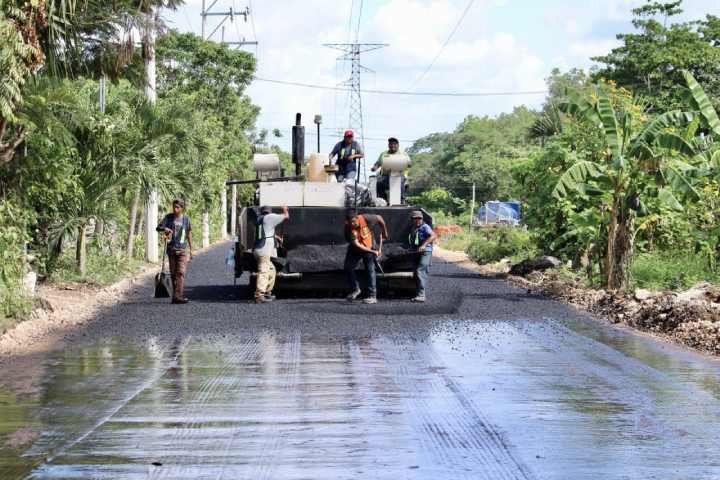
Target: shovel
[(163, 282)]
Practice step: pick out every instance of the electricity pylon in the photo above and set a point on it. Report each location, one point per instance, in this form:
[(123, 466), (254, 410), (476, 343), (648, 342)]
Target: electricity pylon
[(351, 52)]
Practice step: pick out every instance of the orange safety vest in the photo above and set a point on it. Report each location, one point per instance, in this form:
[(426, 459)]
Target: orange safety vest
[(362, 232)]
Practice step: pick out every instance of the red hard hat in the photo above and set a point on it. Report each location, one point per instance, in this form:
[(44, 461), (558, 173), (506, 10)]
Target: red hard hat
[(348, 133)]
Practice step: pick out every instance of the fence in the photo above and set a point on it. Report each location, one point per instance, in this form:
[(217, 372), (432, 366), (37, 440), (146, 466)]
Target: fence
[(498, 213)]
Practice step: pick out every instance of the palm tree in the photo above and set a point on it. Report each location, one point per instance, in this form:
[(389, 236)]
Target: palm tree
[(634, 163)]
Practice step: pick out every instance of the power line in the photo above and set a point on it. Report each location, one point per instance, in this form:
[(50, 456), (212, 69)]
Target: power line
[(404, 92), (357, 31), (447, 41)]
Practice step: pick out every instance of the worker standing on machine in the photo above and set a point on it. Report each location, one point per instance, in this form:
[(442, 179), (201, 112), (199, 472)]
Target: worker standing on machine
[(421, 241), (365, 234), (346, 151), (383, 184), (265, 248)]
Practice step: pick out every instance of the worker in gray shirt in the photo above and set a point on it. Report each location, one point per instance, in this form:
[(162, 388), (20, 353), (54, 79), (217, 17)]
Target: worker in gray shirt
[(265, 248)]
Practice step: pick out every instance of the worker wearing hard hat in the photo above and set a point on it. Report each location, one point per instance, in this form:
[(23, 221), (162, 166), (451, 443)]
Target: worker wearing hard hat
[(346, 151), (421, 241), (265, 249), (383, 183)]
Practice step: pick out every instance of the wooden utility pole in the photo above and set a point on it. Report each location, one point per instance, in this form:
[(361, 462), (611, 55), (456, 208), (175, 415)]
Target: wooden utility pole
[(472, 207), (223, 214)]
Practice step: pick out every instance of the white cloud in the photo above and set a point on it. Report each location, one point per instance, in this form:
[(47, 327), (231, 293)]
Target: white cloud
[(484, 55)]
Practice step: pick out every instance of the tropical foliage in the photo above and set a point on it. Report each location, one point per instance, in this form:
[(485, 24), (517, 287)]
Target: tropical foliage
[(618, 165), (76, 174)]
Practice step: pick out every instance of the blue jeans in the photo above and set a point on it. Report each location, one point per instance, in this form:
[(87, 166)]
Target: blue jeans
[(351, 262), (422, 272)]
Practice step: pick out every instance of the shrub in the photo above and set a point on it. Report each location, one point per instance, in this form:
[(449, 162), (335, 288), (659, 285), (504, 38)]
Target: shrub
[(494, 244), (13, 303)]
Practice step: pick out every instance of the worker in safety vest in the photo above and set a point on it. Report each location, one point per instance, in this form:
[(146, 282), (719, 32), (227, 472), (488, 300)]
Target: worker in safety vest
[(365, 234), (421, 240), (383, 179), (264, 250), (177, 231), (346, 151)]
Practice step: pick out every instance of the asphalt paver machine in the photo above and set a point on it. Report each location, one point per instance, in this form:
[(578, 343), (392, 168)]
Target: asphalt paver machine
[(312, 251)]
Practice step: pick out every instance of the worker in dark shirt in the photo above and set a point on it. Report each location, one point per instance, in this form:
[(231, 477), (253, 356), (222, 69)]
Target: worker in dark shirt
[(177, 231), (365, 234), (421, 241), (346, 151)]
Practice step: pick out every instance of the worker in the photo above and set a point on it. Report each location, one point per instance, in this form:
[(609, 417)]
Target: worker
[(177, 232), (421, 241), (346, 151), (365, 234), (265, 249), (383, 183)]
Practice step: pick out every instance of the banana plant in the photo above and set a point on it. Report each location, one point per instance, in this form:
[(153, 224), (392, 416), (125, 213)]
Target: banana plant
[(634, 162)]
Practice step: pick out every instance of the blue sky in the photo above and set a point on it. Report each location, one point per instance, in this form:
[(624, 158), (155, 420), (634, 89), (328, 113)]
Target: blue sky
[(502, 45)]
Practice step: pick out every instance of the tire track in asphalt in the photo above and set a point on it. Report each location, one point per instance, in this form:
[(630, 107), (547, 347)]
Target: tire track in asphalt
[(459, 436), (211, 388), (271, 444), (129, 398)]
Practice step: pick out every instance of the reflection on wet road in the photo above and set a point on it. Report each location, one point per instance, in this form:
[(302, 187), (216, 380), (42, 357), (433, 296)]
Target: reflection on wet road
[(505, 400), (459, 398)]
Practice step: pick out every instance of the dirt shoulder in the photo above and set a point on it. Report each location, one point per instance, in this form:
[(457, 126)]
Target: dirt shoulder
[(690, 318), (63, 308)]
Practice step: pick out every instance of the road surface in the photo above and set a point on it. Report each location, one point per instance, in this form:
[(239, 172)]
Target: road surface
[(485, 381)]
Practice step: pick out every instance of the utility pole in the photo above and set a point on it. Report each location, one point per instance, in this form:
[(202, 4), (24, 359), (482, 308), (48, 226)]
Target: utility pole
[(151, 204), (351, 52), (102, 93), (472, 207), (225, 14)]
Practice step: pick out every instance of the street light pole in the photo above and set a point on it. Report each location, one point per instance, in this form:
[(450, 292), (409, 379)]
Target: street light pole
[(318, 121)]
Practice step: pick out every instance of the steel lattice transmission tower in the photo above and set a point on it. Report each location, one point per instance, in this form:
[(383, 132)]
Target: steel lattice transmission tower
[(351, 53)]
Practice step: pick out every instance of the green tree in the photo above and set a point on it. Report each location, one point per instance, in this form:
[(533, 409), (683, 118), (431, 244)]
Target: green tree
[(635, 160), (651, 61)]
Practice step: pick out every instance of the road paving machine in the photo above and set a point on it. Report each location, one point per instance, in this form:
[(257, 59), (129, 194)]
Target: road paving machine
[(312, 249)]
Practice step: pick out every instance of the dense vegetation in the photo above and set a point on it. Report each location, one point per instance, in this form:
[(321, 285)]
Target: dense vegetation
[(74, 177), (618, 172)]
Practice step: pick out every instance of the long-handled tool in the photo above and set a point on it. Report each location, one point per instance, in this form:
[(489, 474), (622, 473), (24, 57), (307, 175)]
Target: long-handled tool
[(163, 282)]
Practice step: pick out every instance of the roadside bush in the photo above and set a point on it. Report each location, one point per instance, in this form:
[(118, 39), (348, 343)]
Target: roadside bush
[(492, 245), (438, 200), (13, 303)]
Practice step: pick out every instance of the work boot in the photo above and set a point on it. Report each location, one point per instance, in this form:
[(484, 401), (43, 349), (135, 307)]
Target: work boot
[(354, 295), (419, 299), (370, 300), (180, 301), (263, 299)]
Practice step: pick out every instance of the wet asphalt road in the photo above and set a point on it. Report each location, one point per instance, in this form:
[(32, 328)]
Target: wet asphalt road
[(483, 382)]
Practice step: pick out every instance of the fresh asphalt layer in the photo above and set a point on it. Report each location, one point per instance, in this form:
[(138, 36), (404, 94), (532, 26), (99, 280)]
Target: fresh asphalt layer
[(485, 381)]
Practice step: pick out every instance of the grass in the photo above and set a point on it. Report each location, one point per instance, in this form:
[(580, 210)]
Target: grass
[(103, 268), (671, 270), (459, 242)]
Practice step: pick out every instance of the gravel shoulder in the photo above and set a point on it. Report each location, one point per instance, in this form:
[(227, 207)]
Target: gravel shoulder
[(690, 318), (64, 309)]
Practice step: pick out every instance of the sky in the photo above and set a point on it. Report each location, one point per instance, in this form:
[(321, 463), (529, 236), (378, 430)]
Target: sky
[(500, 46)]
